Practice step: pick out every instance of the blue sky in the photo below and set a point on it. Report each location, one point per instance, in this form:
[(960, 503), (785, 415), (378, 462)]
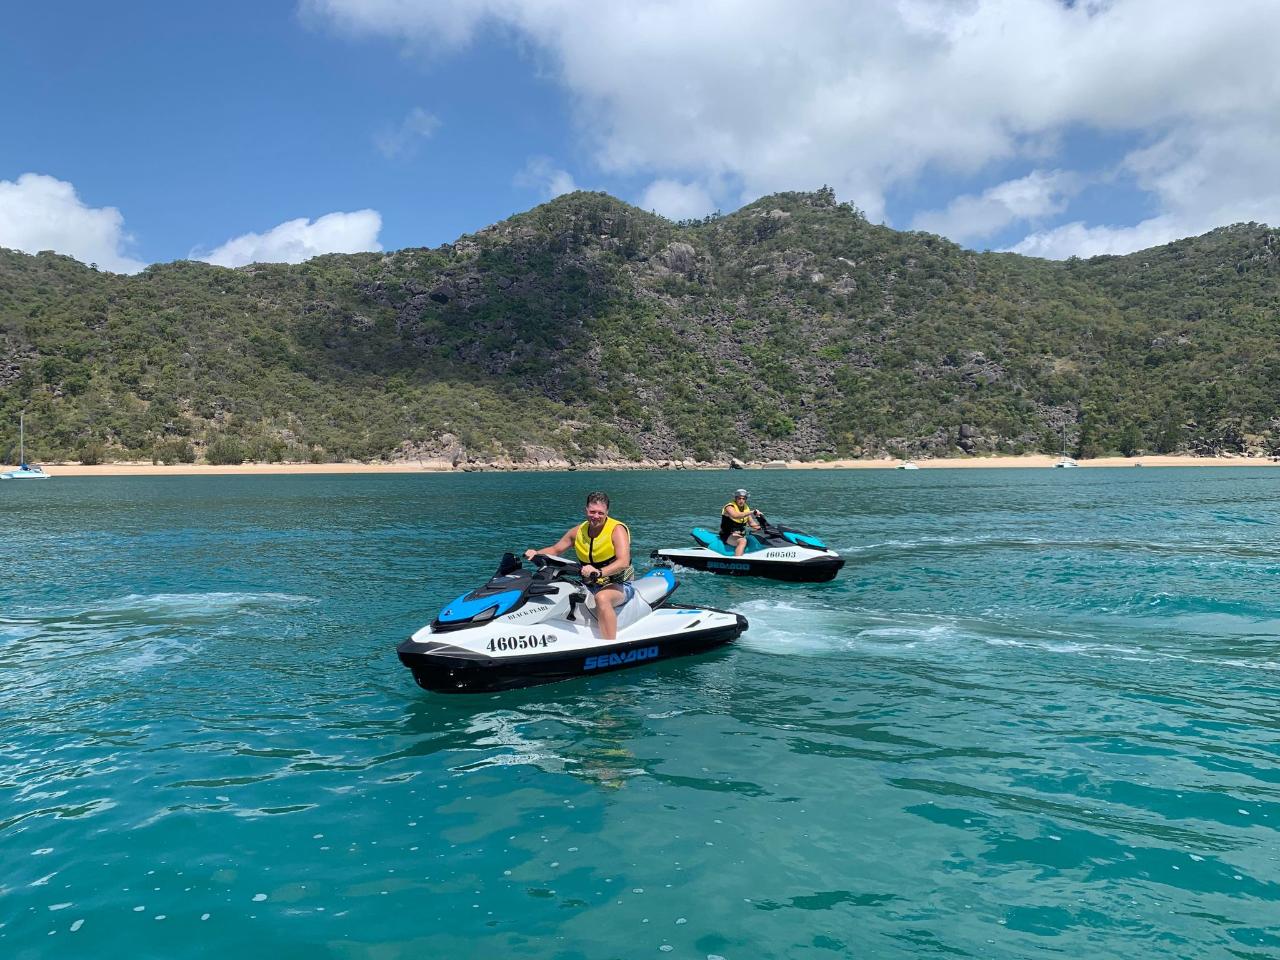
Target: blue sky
[(237, 131)]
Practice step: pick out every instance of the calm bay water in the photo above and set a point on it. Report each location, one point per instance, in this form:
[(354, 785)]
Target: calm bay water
[(1036, 716)]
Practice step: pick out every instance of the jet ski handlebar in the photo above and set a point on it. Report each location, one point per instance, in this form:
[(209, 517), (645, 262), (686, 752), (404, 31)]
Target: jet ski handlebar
[(562, 566), (541, 560)]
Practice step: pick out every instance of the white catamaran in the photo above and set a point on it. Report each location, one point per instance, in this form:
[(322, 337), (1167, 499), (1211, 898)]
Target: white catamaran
[(25, 471)]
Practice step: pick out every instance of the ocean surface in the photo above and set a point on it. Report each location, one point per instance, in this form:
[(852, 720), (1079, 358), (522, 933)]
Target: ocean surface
[(1038, 715)]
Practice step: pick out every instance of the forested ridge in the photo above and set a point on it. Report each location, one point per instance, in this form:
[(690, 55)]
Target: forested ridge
[(587, 329)]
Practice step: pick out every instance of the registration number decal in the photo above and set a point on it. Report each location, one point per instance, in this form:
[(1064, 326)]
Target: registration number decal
[(522, 641)]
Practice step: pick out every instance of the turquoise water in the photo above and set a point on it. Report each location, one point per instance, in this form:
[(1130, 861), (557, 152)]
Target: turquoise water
[(1036, 716)]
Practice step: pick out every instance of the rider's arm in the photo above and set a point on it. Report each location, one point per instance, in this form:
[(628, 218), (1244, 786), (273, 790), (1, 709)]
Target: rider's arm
[(559, 547), (733, 513)]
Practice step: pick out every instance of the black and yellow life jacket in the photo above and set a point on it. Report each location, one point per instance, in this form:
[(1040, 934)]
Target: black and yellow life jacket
[(598, 550), (733, 503)]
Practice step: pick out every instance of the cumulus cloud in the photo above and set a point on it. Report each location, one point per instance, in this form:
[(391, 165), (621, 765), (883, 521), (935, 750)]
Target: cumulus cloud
[(972, 217), (544, 176), (869, 97), (1202, 177), (297, 240), (402, 139), (39, 212), (1080, 240), (677, 201)]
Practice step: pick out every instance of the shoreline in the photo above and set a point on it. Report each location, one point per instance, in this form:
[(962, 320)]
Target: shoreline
[(1028, 461)]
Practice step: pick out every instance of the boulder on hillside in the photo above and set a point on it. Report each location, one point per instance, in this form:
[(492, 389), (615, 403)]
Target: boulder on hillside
[(679, 258)]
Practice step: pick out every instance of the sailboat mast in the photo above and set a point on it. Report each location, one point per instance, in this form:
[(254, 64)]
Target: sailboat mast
[(22, 438)]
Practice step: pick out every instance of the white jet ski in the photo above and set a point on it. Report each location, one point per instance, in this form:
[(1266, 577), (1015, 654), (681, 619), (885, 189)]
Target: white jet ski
[(772, 551), (526, 627)]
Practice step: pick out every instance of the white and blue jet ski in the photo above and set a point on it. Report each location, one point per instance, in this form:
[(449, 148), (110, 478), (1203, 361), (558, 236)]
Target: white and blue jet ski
[(526, 627), (772, 551)]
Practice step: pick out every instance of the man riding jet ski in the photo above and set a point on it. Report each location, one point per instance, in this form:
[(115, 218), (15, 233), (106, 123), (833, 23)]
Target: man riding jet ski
[(526, 627), (748, 545)]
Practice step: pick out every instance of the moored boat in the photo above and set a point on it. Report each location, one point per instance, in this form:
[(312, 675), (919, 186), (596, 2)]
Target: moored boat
[(25, 471)]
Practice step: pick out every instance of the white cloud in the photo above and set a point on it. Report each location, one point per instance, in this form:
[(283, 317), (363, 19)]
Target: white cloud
[(1078, 239), (1201, 177), (969, 217), (39, 212), (297, 240), (870, 96), (677, 201), (542, 175), (429, 24), (403, 139)]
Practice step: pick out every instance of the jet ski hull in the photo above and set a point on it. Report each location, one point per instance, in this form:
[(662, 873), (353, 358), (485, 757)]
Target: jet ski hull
[(440, 663), (819, 569)]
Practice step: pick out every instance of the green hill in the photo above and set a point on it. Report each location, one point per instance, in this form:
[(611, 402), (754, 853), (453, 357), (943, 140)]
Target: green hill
[(589, 329)]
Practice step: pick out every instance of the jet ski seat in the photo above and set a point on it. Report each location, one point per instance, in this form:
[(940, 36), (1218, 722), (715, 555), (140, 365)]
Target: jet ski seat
[(711, 541), (655, 586)]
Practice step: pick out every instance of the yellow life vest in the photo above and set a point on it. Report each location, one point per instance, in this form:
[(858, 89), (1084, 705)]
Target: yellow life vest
[(598, 550), (734, 504)]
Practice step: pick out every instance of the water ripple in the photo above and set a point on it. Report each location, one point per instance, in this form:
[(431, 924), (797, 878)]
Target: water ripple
[(1037, 716)]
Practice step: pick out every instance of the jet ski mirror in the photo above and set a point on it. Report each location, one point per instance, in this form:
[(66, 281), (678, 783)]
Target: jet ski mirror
[(508, 564)]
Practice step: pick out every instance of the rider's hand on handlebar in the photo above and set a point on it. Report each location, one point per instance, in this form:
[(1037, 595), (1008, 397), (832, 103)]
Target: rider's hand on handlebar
[(530, 554)]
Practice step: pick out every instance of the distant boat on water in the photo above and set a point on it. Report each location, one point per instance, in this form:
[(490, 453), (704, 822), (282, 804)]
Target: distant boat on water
[(908, 465), (1065, 461), (25, 471)]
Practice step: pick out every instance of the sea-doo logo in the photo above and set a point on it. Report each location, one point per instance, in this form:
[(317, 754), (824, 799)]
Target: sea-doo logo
[(722, 565), (620, 659)]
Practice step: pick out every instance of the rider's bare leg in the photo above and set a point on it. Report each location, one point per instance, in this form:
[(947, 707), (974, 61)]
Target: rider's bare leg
[(606, 599)]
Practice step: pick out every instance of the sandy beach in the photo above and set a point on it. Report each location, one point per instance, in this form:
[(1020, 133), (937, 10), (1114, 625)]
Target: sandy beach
[(1034, 461)]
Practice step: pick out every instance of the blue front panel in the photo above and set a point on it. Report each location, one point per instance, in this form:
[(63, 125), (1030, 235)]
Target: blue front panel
[(465, 607), (804, 540)]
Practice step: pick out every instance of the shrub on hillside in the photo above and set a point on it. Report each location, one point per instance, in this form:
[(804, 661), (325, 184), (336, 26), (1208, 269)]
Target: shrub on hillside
[(92, 453), (225, 450), (173, 451)]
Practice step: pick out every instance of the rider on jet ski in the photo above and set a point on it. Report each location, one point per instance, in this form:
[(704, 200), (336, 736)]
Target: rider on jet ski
[(736, 519), (603, 546)]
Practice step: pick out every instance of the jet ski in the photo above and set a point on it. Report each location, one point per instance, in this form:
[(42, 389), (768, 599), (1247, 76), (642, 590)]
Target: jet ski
[(530, 626), (772, 551)]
